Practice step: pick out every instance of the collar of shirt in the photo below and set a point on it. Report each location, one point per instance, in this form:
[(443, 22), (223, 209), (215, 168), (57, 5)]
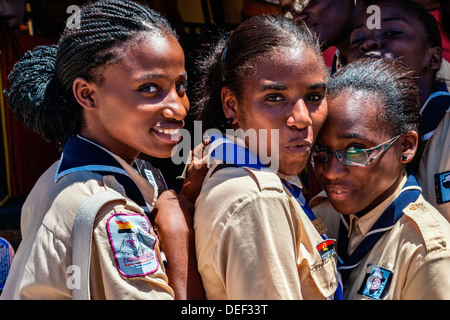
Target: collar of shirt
[(80, 154), (433, 110), (235, 157), (359, 227)]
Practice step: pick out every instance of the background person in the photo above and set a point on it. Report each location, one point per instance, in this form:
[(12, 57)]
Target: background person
[(409, 33)]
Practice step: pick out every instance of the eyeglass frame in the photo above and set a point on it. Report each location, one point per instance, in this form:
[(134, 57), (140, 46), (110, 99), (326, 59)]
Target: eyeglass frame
[(367, 151)]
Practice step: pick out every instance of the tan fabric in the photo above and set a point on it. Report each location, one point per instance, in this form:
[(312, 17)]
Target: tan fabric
[(436, 160), (254, 241), (40, 267), (416, 250)]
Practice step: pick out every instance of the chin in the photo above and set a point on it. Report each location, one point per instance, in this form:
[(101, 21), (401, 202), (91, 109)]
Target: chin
[(346, 207), (291, 169)]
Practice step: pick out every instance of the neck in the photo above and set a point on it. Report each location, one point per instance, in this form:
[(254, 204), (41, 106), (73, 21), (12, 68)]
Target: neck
[(426, 86), (92, 138), (386, 194)]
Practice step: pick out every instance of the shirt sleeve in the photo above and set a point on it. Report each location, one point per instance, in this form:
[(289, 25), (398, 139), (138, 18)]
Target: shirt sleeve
[(429, 278), (256, 254), (107, 280)]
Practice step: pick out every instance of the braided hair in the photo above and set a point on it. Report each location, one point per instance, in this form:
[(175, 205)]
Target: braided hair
[(40, 84)]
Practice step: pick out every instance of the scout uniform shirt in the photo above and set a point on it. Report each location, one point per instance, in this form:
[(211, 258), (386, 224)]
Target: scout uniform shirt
[(254, 241), (126, 262), (407, 255), (434, 167)]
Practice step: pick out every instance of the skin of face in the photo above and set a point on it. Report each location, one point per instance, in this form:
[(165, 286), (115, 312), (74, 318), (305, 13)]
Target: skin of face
[(284, 91), (141, 100), (352, 122), (331, 20), (401, 36)]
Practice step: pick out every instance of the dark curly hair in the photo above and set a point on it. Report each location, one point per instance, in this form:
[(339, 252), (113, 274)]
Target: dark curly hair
[(232, 59), (388, 79), (40, 84)]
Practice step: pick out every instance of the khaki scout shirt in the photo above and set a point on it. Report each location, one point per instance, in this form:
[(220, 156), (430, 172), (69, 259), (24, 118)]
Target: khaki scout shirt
[(254, 241), (416, 250), (41, 267), (434, 168)]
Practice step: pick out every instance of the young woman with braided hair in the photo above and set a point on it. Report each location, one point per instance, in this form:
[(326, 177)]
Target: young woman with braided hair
[(109, 90)]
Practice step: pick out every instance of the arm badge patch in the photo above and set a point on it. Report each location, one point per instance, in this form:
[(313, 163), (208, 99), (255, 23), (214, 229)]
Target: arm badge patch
[(132, 244)]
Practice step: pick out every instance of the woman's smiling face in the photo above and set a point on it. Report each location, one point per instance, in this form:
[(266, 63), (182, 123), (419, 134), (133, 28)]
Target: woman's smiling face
[(141, 101), (353, 122)]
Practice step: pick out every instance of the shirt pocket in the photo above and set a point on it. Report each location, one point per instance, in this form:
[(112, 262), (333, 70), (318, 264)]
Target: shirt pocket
[(324, 276)]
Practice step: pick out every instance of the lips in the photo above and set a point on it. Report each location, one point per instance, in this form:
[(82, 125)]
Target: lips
[(373, 55), (299, 147), (339, 192), (168, 133)]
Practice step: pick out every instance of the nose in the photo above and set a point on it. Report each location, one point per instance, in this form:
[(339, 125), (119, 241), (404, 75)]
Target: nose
[(299, 117), (176, 106), (369, 45), (333, 169)]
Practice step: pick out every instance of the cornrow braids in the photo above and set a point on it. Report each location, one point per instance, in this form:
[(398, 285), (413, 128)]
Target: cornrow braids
[(40, 84)]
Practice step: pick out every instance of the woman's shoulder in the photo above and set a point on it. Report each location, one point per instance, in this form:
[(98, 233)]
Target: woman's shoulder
[(425, 225), (235, 179)]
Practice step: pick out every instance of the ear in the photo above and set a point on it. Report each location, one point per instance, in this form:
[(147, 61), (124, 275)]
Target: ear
[(434, 58), (409, 143), (229, 104), (83, 91)]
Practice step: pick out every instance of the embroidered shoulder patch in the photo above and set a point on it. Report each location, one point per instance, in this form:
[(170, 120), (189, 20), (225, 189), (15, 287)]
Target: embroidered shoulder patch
[(132, 244), (376, 282), (326, 249), (442, 185)]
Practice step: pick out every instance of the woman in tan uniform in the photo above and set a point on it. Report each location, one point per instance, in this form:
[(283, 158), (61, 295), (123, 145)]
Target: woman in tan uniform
[(409, 33), (254, 234), (392, 243), (113, 87)]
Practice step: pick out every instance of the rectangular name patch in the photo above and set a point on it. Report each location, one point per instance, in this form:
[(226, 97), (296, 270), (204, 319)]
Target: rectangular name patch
[(442, 185)]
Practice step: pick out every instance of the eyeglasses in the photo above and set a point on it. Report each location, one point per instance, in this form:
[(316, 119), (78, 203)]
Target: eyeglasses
[(351, 157)]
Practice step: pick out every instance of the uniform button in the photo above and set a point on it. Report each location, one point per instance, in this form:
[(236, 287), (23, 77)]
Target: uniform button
[(413, 206)]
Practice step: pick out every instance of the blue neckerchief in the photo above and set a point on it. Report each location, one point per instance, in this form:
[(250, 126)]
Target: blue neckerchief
[(388, 219), (230, 153), (434, 110), (82, 155)]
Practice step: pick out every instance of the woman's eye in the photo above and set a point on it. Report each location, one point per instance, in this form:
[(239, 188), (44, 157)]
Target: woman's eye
[(356, 42), (355, 147), (149, 88), (315, 97), (275, 98), (181, 88), (356, 38), (391, 33)]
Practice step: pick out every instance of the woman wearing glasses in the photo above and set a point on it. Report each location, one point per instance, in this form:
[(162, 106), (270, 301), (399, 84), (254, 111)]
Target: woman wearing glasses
[(392, 244)]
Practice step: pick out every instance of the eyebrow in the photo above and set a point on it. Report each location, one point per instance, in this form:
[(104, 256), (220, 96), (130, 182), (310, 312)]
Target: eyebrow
[(273, 86), (384, 20), (279, 86), (318, 85), (148, 76), (354, 135)]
